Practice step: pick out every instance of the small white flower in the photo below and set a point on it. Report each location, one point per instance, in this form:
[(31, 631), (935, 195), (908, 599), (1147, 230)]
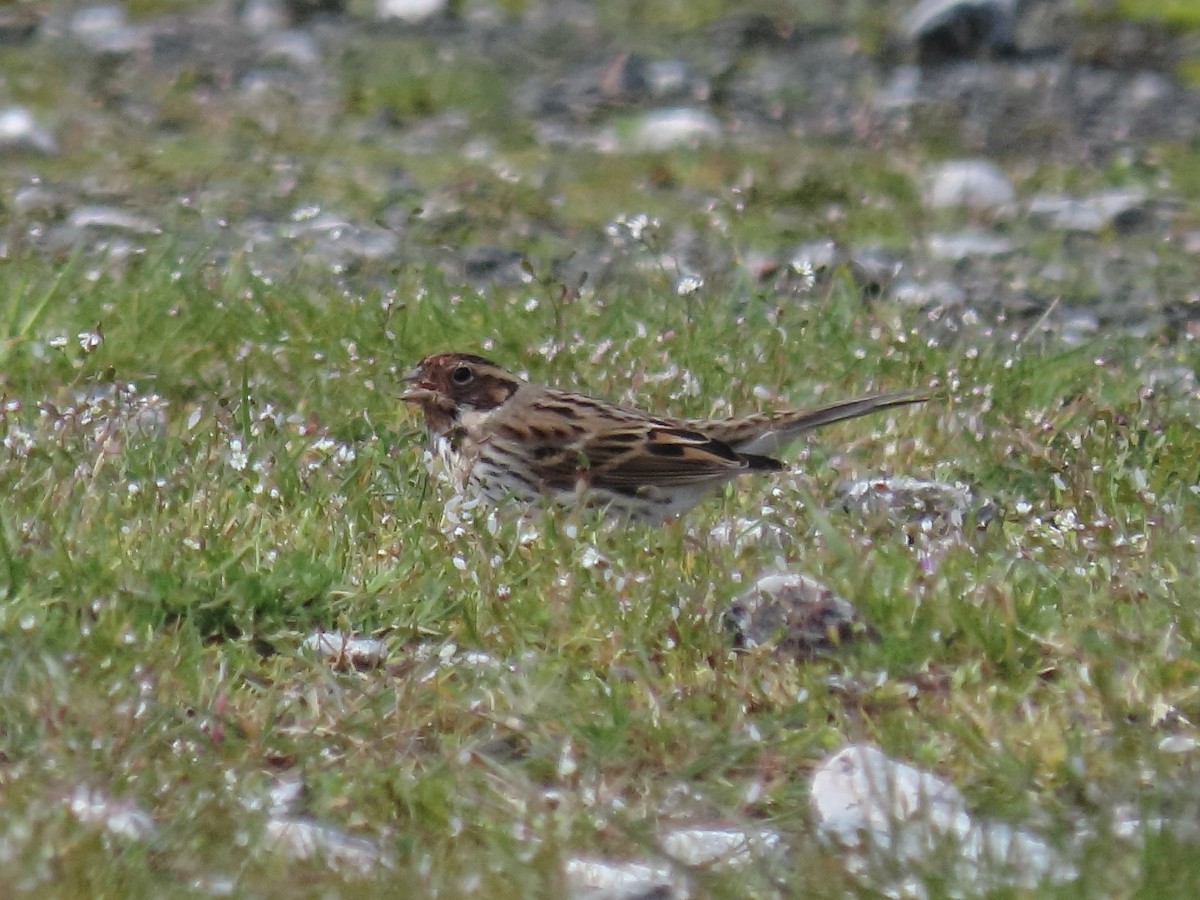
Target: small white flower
[(632, 228), (90, 340), (689, 284), (808, 275), (238, 457)]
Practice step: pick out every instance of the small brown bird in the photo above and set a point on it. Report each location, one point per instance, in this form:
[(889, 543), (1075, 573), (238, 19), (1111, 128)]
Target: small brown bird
[(508, 438)]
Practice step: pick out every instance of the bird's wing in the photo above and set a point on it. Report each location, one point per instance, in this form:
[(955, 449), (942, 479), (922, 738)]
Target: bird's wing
[(664, 455), (570, 439)]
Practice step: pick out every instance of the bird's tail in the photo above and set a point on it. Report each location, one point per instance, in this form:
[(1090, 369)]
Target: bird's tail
[(767, 433)]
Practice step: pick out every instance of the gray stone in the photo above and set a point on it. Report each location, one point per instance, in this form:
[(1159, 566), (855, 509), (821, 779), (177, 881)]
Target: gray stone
[(929, 294), (293, 47), (968, 244), (410, 11), (951, 29), (977, 184), (794, 614), (898, 826), (719, 847), (104, 29), (590, 878), (662, 129), (301, 838), (1123, 210), (19, 130), (345, 651), (111, 219), (909, 500)]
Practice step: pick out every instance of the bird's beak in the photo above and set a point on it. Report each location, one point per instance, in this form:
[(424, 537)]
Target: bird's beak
[(416, 392)]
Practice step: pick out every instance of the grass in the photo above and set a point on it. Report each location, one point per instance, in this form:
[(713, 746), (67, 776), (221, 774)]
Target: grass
[(229, 470)]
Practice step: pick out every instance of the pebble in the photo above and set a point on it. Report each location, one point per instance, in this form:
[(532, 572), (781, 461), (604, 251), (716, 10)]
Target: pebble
[(1122, 210), (293, 47), (105, 30), (118, 817), (346, 651), (663, 129), (410, 11), (19, 130), (870, 806), (793, 613), (955, 29), (707, 847), (977, 184), (929, 294), (902, 499), (591, 878), (111, 219), (301, 838), (968, 244)]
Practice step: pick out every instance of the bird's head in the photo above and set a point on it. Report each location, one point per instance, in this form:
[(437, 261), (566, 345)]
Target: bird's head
[(445, 385)]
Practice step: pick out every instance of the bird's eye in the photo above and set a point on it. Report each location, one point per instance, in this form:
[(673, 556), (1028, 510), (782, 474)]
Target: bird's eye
[(461, 375)]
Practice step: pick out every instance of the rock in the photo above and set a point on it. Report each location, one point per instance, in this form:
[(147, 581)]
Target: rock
[(744, 532), (794, 614), (301, 12), (929, 294), (630, 77), (345, 651), (411, 11), (18, 24), (118, 817), (667, 78), (338, 241), (968, 244), (1077, 326), (264, 16), (104, 30), (977, 184), (111, 219), (589, 878), (707, 847), (910, 500), (488, 263), (944, 30), (901, 828), (292, 47), (1121, 210), (816, 256), (19, 130), (300, 838), (662, 129), (38, 200)]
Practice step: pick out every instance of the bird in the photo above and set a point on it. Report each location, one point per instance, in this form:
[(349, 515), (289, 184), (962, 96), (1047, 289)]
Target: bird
[(504, 438)]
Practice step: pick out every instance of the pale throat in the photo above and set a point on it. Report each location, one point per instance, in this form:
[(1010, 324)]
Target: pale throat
[(473, 421)]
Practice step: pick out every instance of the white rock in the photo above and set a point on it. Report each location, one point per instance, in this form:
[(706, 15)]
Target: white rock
[(1088, 215), (977, 184), (697, 847), (966, 244), (409, 10), (303, 839), (118, 817), (589, 878), (20, 130), (892, 817), (662, 129), (346, 651)]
